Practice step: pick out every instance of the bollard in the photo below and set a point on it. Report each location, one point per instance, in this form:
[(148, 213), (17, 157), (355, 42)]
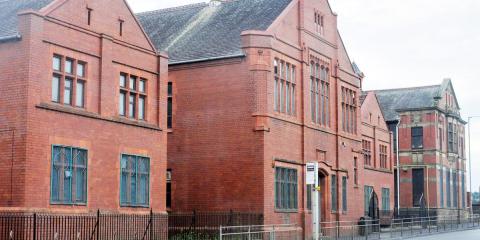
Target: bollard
[(249, 232), (220, 232)]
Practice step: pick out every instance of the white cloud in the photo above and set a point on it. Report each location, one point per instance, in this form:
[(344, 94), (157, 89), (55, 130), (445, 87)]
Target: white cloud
[(400, 43)]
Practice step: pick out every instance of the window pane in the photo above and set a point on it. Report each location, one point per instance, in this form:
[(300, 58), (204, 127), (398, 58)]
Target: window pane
[(67, 94), (141, 88), (80, 91), (141, 108), (69, 66), (81, 69), (56, 64), (170, 89), (133, 82), (56, 89), (123, 80), (131, 106), (121, 104)]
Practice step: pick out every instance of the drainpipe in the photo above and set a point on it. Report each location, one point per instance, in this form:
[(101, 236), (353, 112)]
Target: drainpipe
[(398, 166)]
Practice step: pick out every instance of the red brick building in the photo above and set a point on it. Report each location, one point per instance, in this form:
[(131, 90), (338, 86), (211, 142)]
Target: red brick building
[(378, 160), (431, 147), (82, 105), (258, 89)]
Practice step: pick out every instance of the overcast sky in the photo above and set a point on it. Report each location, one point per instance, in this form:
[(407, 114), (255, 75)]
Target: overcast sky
[(403, 43)]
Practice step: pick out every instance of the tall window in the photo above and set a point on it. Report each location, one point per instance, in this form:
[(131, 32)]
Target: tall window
[(169, 188), (383, 156), (69, 175), (344, 194), (355, 170), (450, 137), (319, 23), (284, 87), (448, 185), (463, 189), (68, 81), (170, 105), (367, 152), (349, 111), (385, 199), (417, 137), (440, 138), (286, 188), (367, 196), (320, 93), (455, 138), (134, 181), (133, 97), (334, 193), (455, 189), (442, 203)]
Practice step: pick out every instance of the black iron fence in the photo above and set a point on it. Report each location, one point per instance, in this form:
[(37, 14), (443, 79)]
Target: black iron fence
[(95, 226), (206, 225), (103, 225)]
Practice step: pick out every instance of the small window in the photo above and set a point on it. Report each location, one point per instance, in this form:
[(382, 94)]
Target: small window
[(120, 24), (69, 66), (133, 83), (57, 63), (81, 69), (333, 189), (417, 137), (385, 199), (123, 80), (67, 94), (344, 194), (80, 93), (89, 15), (134, 181), (56, 89)]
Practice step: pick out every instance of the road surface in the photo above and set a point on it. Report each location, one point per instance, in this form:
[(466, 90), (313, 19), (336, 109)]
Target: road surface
[(463, 235)]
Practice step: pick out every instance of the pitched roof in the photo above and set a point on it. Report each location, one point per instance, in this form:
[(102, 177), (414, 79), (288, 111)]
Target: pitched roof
[(392, 100), (207, 31), (9, 10)]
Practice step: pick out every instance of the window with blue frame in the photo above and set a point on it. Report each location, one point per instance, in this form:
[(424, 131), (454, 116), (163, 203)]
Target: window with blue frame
[(69, 175), (134, 181)]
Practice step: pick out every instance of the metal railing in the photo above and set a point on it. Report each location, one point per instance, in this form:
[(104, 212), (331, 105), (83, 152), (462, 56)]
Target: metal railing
[(206, 225), (93, 226), (398, 228), (261, 232)]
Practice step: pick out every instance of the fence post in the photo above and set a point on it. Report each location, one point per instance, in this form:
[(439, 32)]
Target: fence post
[(151, 223), (221, 233), (98, 224), (35, 226), (249, 232)]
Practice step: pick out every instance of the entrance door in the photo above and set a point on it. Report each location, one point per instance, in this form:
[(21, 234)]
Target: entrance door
[(417, 186), (322, 195)]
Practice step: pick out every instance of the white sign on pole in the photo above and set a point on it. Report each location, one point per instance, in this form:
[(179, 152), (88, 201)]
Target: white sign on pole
[(311, 169)]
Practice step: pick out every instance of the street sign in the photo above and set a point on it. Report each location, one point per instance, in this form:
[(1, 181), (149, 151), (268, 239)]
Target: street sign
[(311, 170)]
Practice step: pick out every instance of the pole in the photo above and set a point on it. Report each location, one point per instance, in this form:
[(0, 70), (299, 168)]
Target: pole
[(316, 207), (398, 168), (470, 166)]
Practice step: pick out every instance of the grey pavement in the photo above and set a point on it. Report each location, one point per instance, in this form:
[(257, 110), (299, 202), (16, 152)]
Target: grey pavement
[(461, 235)]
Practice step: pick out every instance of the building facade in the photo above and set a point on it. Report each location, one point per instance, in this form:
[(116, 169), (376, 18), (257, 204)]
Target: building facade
[(431, 147), (377, 160), (82, 109), (259, 88)]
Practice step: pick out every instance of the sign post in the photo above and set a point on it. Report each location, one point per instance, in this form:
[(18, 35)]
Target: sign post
[(312, 179)]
